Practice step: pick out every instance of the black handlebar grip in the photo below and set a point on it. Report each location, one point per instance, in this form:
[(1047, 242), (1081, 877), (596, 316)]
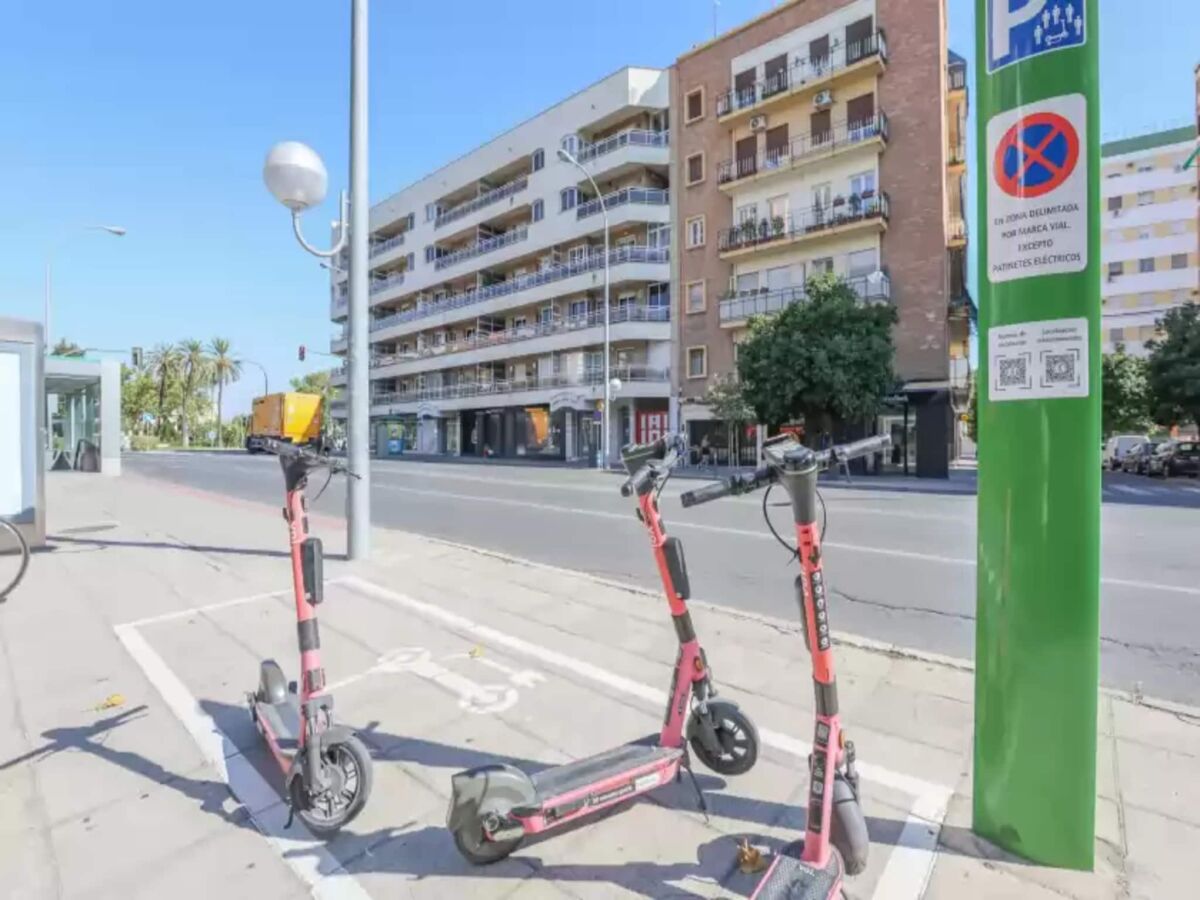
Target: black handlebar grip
[(705, 494)]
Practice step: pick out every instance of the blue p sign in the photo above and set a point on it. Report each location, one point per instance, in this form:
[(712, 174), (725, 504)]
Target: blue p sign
[(1020, 29)]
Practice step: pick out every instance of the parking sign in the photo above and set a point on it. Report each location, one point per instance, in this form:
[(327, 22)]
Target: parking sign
[(1021, 29)]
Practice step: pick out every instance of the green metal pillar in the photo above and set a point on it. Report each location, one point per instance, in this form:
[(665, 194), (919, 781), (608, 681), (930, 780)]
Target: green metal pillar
[(1037, 634)]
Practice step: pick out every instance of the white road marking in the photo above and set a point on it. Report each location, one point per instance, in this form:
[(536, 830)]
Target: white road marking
[(905, 875), (763, 535), (325, 877), (480, 699)]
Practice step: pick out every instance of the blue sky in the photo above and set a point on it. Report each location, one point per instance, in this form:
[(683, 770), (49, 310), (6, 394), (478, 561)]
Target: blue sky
[(156, 116)]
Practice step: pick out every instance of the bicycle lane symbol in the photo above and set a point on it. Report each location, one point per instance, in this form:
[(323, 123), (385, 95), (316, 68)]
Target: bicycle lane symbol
[(1036, 155)]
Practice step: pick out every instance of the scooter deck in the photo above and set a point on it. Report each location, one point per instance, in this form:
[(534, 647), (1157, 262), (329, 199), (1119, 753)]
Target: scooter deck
[(283, 719), (580, 774), (790, 879)]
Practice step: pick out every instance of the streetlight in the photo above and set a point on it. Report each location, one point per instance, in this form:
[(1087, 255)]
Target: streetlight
[(296, 177), (604, 420), (114, 230)]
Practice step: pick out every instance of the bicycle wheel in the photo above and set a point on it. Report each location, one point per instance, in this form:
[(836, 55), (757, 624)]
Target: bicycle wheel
[(14, 558)]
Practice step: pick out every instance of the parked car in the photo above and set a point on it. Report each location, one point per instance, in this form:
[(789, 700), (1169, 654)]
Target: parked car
[(1181, 458), (1136, 459), (1116, 448), (1156, 465)]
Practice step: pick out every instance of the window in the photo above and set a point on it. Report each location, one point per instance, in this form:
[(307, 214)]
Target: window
[(1146, 265), (570, 143), (539, 210), (658, 236), (746, 283), (1114, 203), (658, 297), (439, 338), (539, 159), (431, 211), (863, 182), (1179, 260), (777, 208), (695, 106), (627, 240), (569, 197), (1146, 167), (410, 221), (1117, 335), (858, 40), (578, 309), (695, 168), (1115, 269), (519, 322), (577, 254), (429, 253), (859, 263), (695, 297), (1145, 198), (822, 266), (697, 362), (779, 278), (410, 261), (1145, 300), (1143, 234), (695, 231), (747, 214)]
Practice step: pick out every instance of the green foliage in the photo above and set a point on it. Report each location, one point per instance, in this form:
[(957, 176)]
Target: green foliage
[(1174, 367), (973, 413), (829, 357), (66, 348), (314, 383), (1124, 393), (225, 370), (728, 401), (138, 397)]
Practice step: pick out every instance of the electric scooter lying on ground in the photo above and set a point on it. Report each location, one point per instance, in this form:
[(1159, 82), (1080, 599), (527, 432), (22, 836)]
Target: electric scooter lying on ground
[(327, 770), (494, 807), (836, 841)]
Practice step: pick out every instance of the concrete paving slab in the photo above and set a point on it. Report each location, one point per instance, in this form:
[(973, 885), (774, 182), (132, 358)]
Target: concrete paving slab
[(1162, 856), (1159, 780)]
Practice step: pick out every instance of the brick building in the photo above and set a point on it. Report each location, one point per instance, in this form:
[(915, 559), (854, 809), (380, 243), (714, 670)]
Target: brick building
[(826, 135)]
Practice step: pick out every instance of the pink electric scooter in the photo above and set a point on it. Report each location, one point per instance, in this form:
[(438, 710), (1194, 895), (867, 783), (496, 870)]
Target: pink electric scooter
[(836, 842), (494, 807)]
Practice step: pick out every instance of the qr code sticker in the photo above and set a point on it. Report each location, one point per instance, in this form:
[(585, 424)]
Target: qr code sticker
[(1012, 372), (1060, 368)]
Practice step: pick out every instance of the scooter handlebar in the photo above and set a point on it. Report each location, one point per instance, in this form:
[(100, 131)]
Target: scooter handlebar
[(734, 484), (312, 458), (856, 449)]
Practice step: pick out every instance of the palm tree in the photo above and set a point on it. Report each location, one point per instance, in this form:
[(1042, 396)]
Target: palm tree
[(65, 347), (195, 368), (225, 370), (164, 366)]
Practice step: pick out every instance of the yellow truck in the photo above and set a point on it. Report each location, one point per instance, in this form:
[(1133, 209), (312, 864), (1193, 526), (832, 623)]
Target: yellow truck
[(291, 417)]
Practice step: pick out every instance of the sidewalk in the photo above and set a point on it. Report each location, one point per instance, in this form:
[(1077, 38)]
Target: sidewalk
[(126, 654)]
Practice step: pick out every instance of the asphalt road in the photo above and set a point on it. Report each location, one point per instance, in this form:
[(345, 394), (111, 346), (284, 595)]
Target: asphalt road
[(901, 564)]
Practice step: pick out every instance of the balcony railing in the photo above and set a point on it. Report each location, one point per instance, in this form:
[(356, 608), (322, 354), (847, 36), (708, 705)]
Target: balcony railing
[(384, 284), (648, 196), (875, 287), (488, 197), (628, 374), (956, 77), (956, 229), (634, 137), (618, 314), (805, 147), (378, 247), (481, 247), (802, 72), (809, 221), (957, 154), (589, 263)]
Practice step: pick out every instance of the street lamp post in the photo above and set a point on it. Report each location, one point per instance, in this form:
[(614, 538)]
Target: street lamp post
[(604, 418), (114, 230), (296, 177), (259, 366)]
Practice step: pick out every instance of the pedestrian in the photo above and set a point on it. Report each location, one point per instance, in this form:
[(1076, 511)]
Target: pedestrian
[(705, 451)]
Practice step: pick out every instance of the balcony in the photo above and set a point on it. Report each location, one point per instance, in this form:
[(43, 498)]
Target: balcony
[(805, 149), (956, 155), (378, 285), (956, 77), (635, 137), (871, 211), (338, 344), (875, 287), (481, 247), (804, 75), (485, 199), (635, 381), (643, 195), (590, 263), (380, 247), (956, 232)]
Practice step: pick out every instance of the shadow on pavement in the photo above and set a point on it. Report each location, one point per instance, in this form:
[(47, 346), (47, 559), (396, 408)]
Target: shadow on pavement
[(98, 544)]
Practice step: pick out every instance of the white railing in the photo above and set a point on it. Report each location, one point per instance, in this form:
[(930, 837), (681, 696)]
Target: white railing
[(383, 284), (629, 374), (635, 137), (484, 199), (875, 287), (378, 247), (481, 247), (589, 263), (648, 196)]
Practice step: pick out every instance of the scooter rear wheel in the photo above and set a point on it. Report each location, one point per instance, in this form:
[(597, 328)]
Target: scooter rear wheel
[(477, 849), (325, 814), (736, 735)]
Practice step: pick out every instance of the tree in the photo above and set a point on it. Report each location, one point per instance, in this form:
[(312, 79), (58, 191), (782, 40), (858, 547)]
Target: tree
[(225, 370), (164, 368), (194, 363), (137, 398), (314, 383), (973, 412), (65, 347), (824, 359), (1124, 393), (729, 404), (1174, 366)]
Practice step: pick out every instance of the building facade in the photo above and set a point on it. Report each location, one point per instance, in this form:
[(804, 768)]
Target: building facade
[(1150, 242), (486, 290), (826, 136)]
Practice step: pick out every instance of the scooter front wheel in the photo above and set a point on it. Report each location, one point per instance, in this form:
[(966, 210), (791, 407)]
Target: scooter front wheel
[(735, 736), (350, 772), (848, 829)]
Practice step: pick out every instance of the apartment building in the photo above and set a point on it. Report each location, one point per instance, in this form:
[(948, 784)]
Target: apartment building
[(1150, 243), (486, 291), (826, 136)]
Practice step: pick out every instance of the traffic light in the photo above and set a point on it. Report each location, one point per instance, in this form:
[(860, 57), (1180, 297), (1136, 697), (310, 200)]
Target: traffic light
[(302, 352), (136, 357)]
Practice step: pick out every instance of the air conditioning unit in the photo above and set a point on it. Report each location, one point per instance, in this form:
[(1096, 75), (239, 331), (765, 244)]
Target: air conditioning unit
[(823, 99), (758, 123)]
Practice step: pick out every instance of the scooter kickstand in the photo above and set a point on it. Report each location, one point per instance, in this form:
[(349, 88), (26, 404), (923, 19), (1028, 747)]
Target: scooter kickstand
[(699, 793)]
